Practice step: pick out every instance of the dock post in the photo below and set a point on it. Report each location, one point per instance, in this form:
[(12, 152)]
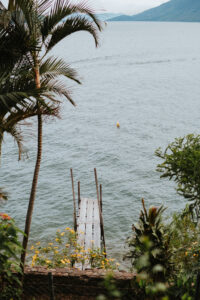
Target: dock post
[(51, 287), (74, 201), (101, 202), (79, 194), (100, 211)]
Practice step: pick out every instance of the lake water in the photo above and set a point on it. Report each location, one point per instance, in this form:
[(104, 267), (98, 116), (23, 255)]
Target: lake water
[(147, 77)]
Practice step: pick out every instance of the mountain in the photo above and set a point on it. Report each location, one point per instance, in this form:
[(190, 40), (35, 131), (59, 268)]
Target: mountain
[(107, 16), (172, 11)]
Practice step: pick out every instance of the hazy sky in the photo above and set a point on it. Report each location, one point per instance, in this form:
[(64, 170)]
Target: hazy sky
[(125, 6), (120, 6)]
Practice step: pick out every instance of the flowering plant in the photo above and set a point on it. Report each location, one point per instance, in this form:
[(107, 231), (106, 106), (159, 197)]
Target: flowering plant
[(64, 251)]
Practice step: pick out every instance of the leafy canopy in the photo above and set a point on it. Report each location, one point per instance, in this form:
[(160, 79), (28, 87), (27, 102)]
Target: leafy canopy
[(181, 162)]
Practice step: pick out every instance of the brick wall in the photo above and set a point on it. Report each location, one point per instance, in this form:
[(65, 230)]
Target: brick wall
[(71, 283)]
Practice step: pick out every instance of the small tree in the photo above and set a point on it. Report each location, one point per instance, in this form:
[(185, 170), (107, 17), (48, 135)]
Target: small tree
[(149, 251), (182, 164)]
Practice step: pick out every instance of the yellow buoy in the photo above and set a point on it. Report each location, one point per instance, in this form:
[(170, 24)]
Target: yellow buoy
[(118, 125)]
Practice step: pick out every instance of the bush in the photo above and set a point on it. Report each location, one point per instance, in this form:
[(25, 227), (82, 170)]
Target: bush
[(166, 257), (149, 251), (10, 249), (182, 163)]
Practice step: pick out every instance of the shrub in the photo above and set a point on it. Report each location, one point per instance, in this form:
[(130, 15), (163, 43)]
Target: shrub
[(166, 257), (182, 163), (185, 248), (149, 251), (10, 249)]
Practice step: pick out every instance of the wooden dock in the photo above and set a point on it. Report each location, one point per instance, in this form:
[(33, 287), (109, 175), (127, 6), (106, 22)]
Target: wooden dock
[(88, 219), (88, 224)]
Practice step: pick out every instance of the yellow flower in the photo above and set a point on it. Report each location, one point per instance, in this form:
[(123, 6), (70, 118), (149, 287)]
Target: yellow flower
[(186, 253), (57, 240), (62, 234), (194, 254), (38, 243), (67, 228), (37, 251), (117, 264), (72, 231), (56, 251), (32, 247), (34, 259), (67, 245), (67, 261), (63, 261), (47, 261), (50, 244)]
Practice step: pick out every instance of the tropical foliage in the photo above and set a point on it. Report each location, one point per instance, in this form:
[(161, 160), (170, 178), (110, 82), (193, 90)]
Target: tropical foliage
[(181, 161), (10, 248), (165, 256), (149, 251)]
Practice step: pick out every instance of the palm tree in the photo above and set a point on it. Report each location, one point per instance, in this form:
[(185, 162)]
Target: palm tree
[(45, 28)]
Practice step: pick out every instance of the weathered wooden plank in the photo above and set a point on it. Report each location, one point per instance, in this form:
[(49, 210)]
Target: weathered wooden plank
[(96, 227), (89, 223), (82, 222), (82, 210), (89, 229)]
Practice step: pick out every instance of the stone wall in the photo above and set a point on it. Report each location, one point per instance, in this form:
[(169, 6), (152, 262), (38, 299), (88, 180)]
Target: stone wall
[(72, 283)]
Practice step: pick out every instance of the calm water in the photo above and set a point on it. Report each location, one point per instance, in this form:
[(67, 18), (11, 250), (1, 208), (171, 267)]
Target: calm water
[(144, 75)]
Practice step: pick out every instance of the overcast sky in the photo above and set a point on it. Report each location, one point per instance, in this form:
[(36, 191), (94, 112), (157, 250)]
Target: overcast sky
[(125, 6), (120, 6)]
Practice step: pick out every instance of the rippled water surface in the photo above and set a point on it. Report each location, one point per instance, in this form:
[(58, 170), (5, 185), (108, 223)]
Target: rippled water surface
[(144, 75)]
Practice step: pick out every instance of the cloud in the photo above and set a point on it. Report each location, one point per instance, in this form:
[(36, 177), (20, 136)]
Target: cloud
[(125, 6), (119, 6)]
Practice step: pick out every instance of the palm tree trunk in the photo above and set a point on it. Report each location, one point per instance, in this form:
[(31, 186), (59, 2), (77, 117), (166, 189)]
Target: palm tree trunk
[(35, 179)]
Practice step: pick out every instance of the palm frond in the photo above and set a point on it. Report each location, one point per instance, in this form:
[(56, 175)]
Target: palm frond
[(58, 88), (16, 44), (11, 122), (64, 9), (15, 91), (53, 67), (31, 111), (72, 25), (43, 6), (15, 133), (28, 13)]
